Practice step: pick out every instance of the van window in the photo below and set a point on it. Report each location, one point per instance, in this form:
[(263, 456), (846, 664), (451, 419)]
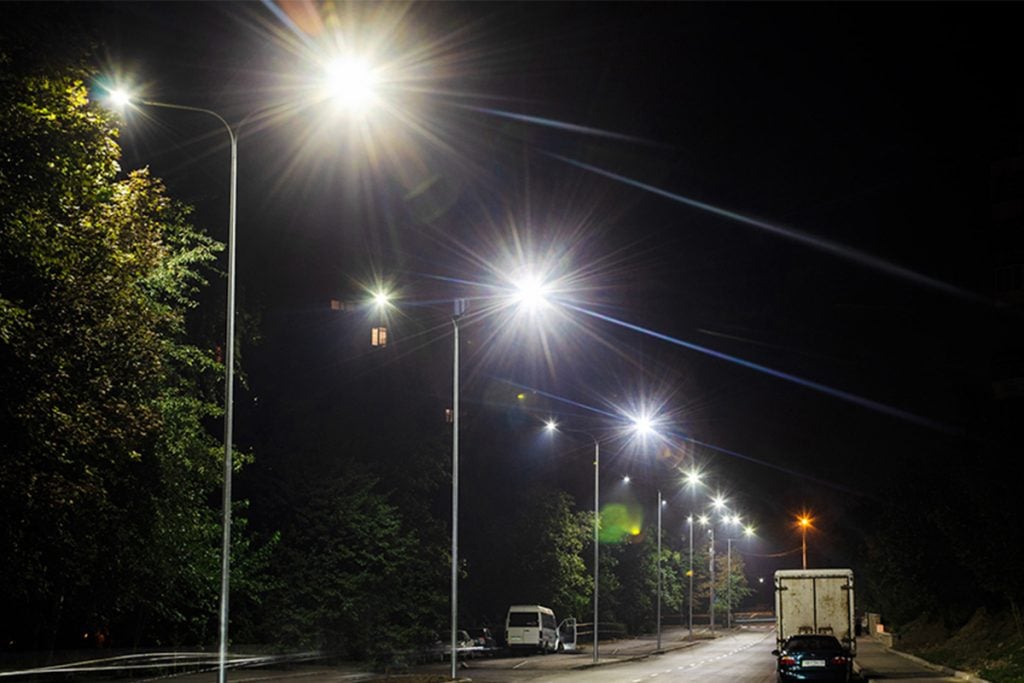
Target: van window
[(549, 620), (522, 619)]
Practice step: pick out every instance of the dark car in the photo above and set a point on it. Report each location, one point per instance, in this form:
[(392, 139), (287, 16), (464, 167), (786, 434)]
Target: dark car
[(482, 637), (813, 658)]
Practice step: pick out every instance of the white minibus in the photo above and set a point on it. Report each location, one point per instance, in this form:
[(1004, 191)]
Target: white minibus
[(531, 627)]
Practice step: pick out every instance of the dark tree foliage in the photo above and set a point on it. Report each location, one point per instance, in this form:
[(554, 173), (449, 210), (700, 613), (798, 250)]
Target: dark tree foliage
[(637, 572), (545, 561), (943, 541), (106, 468), (352, 577)]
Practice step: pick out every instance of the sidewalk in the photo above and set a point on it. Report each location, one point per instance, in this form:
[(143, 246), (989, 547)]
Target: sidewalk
[(875, 661)]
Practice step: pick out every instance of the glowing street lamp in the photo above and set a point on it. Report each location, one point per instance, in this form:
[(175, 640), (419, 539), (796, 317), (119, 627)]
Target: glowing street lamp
[(122, 98), (693, 479), (804, 522), (552, 426), (530, 293), (351, 83), (458, 312), (747, 532), (719, 504)]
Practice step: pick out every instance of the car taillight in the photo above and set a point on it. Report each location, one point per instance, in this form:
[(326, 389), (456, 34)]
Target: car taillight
[(787, 661), (839, 660)]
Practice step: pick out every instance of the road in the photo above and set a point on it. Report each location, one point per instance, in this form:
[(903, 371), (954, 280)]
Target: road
[(741, 656), (744, 657)]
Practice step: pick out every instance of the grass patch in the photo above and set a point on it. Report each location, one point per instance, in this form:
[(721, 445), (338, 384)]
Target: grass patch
[(988, 645)]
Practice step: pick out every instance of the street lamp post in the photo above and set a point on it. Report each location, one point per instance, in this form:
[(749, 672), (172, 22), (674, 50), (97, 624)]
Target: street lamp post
[(693, 478), (597, 527), (597, 534), (460, 309), (728, 585), (689, 521), (659, 570), (711, 569), (804, 521), (229, 370)]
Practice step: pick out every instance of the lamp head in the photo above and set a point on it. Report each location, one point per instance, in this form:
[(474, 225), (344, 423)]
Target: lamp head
[(119, 98), (351, 83)]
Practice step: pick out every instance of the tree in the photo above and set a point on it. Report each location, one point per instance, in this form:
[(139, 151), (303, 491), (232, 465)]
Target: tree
[(731, 587), (352, 577), (106, 467), (638, 572), (547, 551)]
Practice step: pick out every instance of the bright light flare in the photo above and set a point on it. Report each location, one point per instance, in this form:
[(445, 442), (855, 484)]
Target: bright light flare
[(551, 426), (718, 502), (694, 478), (351, 83), (643, 425), (381, 299), (119, 98), (531, 294), (804, 521), (703, 519), (748, 530)]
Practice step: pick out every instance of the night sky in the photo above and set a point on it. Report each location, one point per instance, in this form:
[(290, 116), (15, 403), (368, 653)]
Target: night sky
[(804, 187)]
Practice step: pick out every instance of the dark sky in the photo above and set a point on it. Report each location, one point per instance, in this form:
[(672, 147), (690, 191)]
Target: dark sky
[(839, 154)]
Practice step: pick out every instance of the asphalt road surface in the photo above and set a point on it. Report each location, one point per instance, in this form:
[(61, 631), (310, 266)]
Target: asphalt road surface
[(743, 657)]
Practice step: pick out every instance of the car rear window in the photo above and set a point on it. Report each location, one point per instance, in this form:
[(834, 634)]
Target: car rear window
[(523, 619), (813, 643)]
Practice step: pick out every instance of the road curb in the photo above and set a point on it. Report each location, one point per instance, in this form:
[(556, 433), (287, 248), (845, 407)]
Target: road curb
[(955, 673), (964, 675)]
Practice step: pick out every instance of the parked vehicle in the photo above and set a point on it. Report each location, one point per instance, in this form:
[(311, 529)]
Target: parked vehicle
[(815, 602), (464, 643), (531, 627), (813, 658), (483, 638)]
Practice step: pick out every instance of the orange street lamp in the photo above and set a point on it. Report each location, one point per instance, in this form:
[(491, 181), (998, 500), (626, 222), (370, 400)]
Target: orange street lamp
[(804, 521)]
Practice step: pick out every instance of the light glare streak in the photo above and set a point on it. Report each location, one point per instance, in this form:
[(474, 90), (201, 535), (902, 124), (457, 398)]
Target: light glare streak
[(560, 125), (684, 437), (810, 384), (844, 252)]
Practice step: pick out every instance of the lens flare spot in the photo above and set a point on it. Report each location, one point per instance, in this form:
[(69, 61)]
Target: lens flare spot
[(619, 522)]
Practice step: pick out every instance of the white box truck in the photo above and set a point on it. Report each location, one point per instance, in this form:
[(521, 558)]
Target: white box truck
[(815, 601)]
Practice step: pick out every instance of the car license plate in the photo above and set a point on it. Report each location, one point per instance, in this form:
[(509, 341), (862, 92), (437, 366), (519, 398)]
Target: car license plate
[(810, 663)]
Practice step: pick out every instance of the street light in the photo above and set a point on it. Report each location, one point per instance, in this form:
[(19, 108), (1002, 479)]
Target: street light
[(661, 503), (457, 313), (626, 479), (747, 531), (693, 478), (122, 98), (644, 426), (350, 82), (804, 521), (718, 503), (711, 570), (553, 426)]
